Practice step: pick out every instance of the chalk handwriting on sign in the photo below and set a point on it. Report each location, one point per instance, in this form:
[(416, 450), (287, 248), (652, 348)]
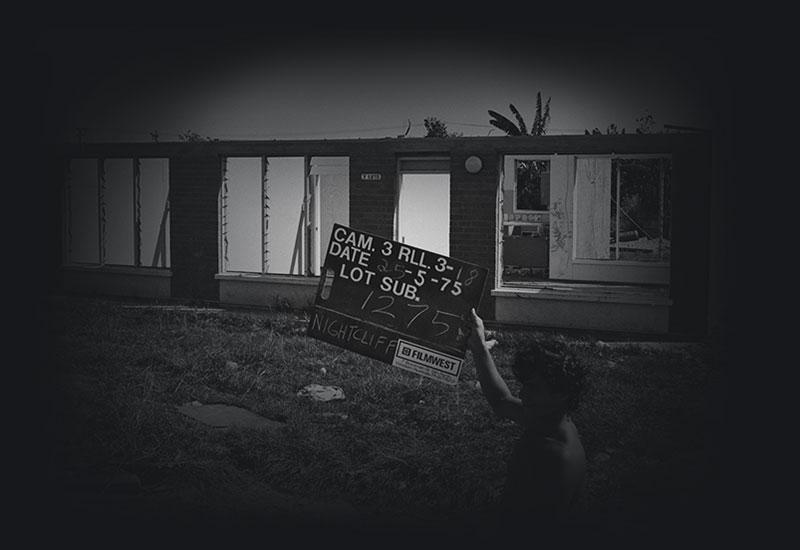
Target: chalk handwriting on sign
[(396, 303)]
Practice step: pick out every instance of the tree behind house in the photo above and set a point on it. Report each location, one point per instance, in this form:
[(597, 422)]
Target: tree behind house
[(541, 120), (438, 129)]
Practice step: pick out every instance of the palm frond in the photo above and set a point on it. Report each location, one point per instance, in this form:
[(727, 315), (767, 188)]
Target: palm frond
[(503, 123), (522, 128)]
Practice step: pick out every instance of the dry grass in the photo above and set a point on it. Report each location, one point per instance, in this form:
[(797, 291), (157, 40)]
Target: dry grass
[(399, 450)]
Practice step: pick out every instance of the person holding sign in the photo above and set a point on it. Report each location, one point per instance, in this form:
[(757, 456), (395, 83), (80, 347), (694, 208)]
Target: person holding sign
[(547, 470)]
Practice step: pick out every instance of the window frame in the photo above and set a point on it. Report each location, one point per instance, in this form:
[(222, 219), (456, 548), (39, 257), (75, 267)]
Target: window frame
[(102, 222), (312, 252), (514, 159), (611, 262)]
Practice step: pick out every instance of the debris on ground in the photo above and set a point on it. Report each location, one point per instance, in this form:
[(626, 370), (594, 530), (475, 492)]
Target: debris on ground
[(321, 393), (340, 416), (219, 415), (176, 308), (685, 348)]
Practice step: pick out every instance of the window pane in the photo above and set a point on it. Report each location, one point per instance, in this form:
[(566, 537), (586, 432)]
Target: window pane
[(154, 185), (533, 184), (640, 210), (286, 191), (119, 212), (424, 212), (83, 242), (243, 214), (526, 217)]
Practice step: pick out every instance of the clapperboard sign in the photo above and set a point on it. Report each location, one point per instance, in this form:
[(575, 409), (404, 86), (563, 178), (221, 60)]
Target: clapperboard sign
[(399, 304)]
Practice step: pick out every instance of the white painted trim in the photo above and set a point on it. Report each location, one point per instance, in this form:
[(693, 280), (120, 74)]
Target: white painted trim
[(268, 278), (584, 293), (499, 228), (316, 236), (621, 263)]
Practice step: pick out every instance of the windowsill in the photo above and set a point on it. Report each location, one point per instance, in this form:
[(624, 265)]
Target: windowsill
[(120, 269), (303, 280), (584, 261), (531, 212), (587, 292)]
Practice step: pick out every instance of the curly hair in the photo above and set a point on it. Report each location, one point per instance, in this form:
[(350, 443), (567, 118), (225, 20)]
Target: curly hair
[(556, 364)]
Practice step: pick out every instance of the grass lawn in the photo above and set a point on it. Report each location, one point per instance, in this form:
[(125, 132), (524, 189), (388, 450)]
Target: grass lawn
[(400, 452)]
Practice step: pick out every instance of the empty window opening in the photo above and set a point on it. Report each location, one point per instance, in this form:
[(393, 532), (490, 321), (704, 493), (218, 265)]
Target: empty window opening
[(83, 212), (525, 198), (152, 186), (623, 209), (277, 213), (116, 212), (285, 192), (119, 212), (242, 192), (423, 211)]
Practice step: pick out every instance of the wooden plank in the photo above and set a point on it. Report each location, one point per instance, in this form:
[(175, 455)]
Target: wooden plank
[(592, 208), (561, 214)]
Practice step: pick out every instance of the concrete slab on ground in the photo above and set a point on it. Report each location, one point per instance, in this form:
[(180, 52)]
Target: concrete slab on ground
[(219, 415)]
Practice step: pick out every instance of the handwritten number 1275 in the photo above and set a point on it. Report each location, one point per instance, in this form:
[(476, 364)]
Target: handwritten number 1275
[(383, 310)]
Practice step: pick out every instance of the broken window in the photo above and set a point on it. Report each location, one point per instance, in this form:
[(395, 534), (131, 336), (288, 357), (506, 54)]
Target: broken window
[(275, 220), (153, 207), (532, 185), (117, 212), (640, 209), (526, 219), (623, 209), (242, 196), (82, 218)]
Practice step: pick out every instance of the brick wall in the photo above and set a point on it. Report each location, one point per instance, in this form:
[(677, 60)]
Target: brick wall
[(372, 203), (689, 263), (194, 179), (472, 205), (472, 216)]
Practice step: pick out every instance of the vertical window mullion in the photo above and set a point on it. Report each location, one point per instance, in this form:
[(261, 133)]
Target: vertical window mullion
[(317, 214), (617, 202), (224, 215), (137, 213), (308, 249), (264, 213), (305, 259)]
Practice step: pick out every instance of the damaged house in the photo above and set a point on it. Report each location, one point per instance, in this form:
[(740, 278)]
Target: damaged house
[(609, 232)]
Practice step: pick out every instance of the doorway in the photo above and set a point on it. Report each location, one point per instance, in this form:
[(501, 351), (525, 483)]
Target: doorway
[(423, 204)]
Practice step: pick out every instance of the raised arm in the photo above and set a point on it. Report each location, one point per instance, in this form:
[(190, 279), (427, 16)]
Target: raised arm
[(494, 388)]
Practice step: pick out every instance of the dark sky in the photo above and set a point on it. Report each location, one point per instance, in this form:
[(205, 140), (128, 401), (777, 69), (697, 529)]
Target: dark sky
[(123, 82)]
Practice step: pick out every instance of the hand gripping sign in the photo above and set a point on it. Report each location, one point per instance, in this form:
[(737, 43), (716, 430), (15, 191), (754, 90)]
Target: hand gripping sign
[(399, 304)]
